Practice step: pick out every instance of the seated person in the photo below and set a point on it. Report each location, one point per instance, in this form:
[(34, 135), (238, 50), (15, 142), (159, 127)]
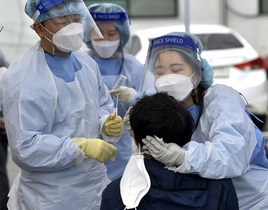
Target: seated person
[(147, 183)]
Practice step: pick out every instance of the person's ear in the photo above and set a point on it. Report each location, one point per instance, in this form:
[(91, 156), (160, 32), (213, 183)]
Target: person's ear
[(39, 29)]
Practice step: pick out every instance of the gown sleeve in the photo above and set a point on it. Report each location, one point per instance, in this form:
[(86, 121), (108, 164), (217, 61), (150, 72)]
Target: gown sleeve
[(224, 140)]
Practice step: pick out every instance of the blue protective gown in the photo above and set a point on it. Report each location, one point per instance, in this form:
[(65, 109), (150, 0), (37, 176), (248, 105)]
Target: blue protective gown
[(110, 71), (43, 110), (227, 144)]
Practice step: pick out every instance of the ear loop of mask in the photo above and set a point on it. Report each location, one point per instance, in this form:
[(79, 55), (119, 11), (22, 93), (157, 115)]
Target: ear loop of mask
[(193, 93), (192, 78), (140, 153), (53, 46)]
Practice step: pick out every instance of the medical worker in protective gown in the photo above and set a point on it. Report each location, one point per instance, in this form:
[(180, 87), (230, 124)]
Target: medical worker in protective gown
[(58, 114), (121, 72), (147, 183), (226, 143)]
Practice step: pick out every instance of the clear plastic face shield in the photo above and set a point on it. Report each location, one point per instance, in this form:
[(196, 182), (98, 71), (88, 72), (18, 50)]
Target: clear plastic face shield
[(109, 24), (66, 22), (111, 17), (171, 55)]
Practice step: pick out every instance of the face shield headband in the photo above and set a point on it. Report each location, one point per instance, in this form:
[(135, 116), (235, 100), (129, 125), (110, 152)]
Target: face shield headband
[(60, 8), (110, 17), (44, 6), (171, 41)]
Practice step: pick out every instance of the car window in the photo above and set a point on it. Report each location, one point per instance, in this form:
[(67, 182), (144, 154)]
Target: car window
[(219, 41)]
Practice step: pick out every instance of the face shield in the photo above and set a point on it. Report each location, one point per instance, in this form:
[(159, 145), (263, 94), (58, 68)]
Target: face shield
[(106, 48), (110, 13), (63, 13), (119, 19), (171, 55)]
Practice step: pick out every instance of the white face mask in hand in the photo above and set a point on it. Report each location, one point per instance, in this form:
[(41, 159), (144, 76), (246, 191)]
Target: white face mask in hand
[(105, 49), (177, 85), (135, 182)]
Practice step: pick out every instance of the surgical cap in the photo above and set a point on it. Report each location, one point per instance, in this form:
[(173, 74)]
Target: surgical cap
[(207, 72), (60, 8), (121, 23)]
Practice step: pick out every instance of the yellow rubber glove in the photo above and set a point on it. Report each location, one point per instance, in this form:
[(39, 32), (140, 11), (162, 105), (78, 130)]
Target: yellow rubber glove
[(96, 148), (113, 126)]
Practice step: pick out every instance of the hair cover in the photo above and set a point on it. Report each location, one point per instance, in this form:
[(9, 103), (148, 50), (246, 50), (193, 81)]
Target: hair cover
[(121, 23), (58, 8)]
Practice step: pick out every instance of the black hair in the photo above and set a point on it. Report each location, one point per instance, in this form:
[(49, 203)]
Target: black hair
[(163, 116)]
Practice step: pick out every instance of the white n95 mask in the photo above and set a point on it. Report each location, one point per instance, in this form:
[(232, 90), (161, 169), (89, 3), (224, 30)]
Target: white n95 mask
[(177, 85), (69, 38), (135, 182), (105, 49)]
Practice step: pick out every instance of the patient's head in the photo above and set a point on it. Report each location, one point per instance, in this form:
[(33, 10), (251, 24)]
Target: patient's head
[(163, 116)]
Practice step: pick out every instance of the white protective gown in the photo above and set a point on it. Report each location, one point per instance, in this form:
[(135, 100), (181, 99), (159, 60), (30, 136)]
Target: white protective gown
[(110, 72), (227, 138), (41, 113)]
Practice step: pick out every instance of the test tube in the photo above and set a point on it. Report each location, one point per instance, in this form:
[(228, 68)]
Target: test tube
[(120, 81)]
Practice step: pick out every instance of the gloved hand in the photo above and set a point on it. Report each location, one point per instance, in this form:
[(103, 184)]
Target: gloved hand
[(113, 126), (169, 154), (96, 148), (125, 94), (127, 122)]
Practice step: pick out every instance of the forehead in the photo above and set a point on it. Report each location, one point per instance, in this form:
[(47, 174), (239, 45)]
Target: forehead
[(61, 19), (60, 22), (66, 17), (169, 56), (106, 25)]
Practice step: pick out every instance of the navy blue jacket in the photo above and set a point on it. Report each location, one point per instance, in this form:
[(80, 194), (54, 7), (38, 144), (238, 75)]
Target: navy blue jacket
[(170, 190)]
